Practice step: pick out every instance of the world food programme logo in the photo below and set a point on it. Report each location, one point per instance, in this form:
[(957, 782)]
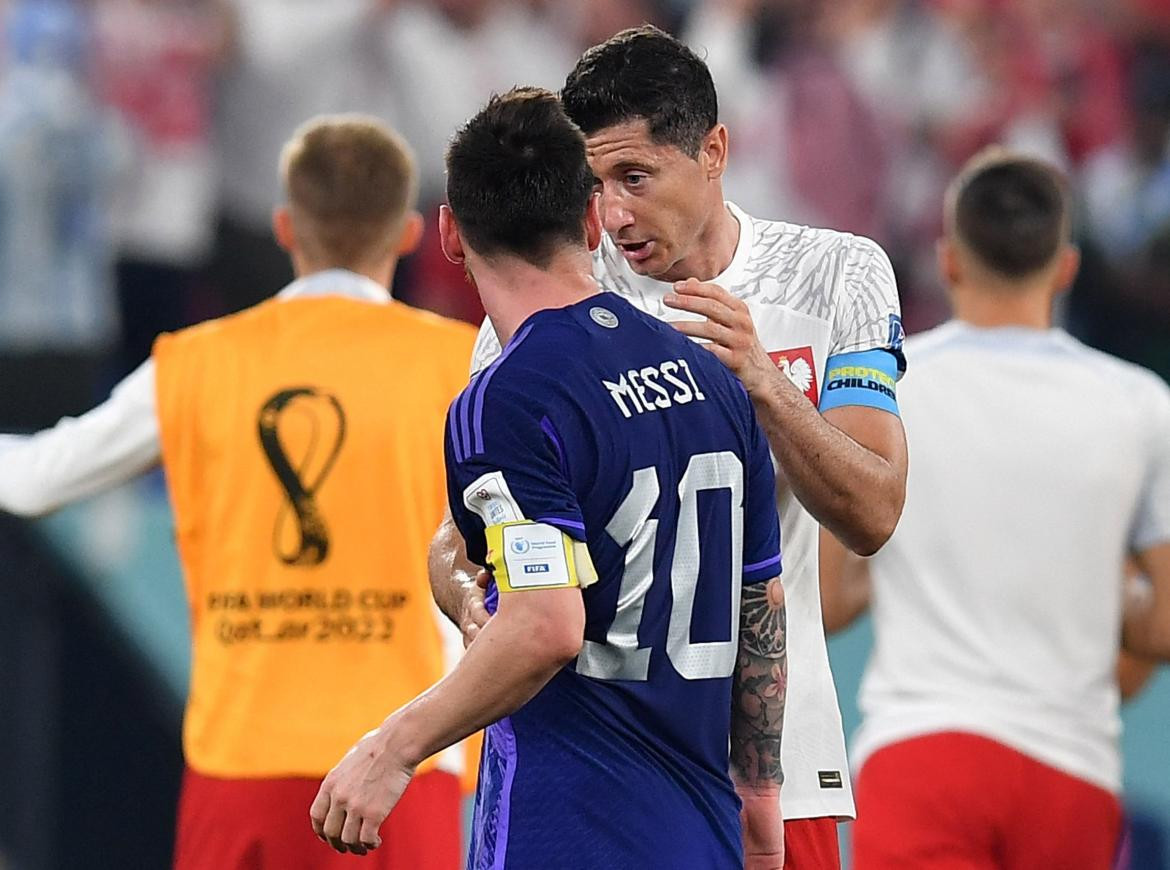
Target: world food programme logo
[(520, 546), (797, 364), (604, 317)]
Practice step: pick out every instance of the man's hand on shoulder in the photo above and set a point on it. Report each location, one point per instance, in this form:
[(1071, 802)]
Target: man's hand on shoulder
[(729, 330), (847, 467)]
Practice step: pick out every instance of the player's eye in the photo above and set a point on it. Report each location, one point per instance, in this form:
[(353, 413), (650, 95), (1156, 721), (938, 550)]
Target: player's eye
[(635, 179)]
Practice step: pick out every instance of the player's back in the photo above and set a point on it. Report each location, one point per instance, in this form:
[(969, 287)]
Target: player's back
[(622, 759), (301, 441), (997, 600)]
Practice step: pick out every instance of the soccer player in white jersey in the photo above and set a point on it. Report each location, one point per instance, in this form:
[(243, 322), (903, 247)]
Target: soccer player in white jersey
[(825, 309), (990, 704)]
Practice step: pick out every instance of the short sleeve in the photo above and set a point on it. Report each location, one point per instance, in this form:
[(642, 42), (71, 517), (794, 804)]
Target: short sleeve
[(1152, 519), (869, 315), (487, 347), (505, 462), (761, 525)]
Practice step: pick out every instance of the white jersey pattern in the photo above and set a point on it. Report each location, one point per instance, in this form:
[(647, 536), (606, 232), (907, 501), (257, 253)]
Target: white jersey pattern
[(812, 293), (1037, 465)]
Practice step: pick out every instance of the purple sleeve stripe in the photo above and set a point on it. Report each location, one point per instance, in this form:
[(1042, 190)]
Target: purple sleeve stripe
[(452, 430), (503, 823), (488, 373), (550, 430), (767, 563), (562, 523), (464, 412)]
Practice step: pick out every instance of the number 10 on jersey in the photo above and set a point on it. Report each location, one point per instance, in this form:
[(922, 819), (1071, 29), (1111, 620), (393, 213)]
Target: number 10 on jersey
[(620, 657)]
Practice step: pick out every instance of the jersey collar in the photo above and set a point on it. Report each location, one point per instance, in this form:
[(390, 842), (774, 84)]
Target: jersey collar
[(336, 282)]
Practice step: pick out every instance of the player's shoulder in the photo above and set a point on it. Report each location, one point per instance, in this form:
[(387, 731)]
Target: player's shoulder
[(521, 389), (930, 342), (531, 358), (1055, 347), (806, 246), (1125, 377), (215, 329), (433, 326), (556, 346)]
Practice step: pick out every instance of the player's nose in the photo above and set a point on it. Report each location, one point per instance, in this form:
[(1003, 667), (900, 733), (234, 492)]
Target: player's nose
[(615, 216)]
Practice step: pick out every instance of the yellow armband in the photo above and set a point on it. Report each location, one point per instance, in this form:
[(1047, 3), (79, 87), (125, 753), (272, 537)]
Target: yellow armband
[(530, 555)]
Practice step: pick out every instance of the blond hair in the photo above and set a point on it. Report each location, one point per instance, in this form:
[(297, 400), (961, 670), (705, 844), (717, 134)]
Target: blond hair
[(350, 182)]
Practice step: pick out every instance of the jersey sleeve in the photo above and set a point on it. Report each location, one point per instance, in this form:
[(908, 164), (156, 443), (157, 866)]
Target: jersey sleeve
[(1151, 525), (868, 316), (505, 461), (486, 349), (761, 525)]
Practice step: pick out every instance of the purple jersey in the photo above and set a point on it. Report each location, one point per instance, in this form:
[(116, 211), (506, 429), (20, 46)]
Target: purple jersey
[(612, 426)]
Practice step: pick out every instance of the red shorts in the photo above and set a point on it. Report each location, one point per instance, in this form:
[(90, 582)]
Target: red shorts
[(955, 801), (811, 844), (263, 824)]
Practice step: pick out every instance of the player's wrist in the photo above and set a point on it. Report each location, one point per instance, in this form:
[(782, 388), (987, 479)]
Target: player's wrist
[(753, 791), (399, 744)]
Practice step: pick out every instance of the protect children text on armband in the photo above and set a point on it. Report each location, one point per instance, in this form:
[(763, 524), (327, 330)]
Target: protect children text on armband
[(530, 555), (868, 378)]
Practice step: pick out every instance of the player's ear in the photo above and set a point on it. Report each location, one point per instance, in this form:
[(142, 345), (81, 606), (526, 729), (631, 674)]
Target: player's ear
[(593, 228), (282, 228), (948, 262), (1066, 270), (713, 151), (449, 236), (411, 234)]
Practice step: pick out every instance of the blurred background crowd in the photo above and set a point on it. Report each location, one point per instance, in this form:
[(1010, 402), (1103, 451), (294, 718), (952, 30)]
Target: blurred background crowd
[(138, 150), (138, 142)]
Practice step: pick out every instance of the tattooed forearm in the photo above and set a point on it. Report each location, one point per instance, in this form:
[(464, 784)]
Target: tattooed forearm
[(760, 685)]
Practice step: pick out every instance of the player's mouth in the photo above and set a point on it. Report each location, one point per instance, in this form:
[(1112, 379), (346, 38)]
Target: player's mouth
[(636, 252)]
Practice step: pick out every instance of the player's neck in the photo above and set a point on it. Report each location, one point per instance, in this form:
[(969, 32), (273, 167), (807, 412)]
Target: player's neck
[(381, 272), (512, 290), (1028, 308), (713, 251)]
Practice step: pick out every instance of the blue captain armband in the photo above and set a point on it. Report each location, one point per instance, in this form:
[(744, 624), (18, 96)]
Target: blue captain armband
[(868, 378)]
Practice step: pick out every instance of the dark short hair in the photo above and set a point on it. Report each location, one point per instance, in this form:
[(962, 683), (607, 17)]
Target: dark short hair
[(644, 73), (1011, 211), (517, 179), (350, 181)]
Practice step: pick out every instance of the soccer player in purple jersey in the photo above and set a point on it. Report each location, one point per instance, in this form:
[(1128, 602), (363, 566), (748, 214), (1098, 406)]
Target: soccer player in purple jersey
[(633, 677)]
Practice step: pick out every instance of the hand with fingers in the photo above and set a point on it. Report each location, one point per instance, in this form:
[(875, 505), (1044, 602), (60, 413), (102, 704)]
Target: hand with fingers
[(358, 794), (475, 614), (728, 329)]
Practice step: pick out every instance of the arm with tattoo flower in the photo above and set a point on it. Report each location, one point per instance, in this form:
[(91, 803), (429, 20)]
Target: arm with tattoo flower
[(759, 689)]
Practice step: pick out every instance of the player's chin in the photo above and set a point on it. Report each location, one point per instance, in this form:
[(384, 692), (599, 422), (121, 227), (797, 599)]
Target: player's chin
[(656, 266)]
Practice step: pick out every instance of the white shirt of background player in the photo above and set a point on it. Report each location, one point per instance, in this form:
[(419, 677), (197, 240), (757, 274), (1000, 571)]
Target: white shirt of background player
[(1039, 465)]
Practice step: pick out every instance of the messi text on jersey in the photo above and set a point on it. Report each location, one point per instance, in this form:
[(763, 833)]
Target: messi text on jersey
[(654, 388)]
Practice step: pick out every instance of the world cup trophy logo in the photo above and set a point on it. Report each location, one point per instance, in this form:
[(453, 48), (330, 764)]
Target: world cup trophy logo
[(316, 419)]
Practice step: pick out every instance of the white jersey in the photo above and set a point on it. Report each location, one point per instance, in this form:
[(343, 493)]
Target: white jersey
[(813, 293), (1037, 464)]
